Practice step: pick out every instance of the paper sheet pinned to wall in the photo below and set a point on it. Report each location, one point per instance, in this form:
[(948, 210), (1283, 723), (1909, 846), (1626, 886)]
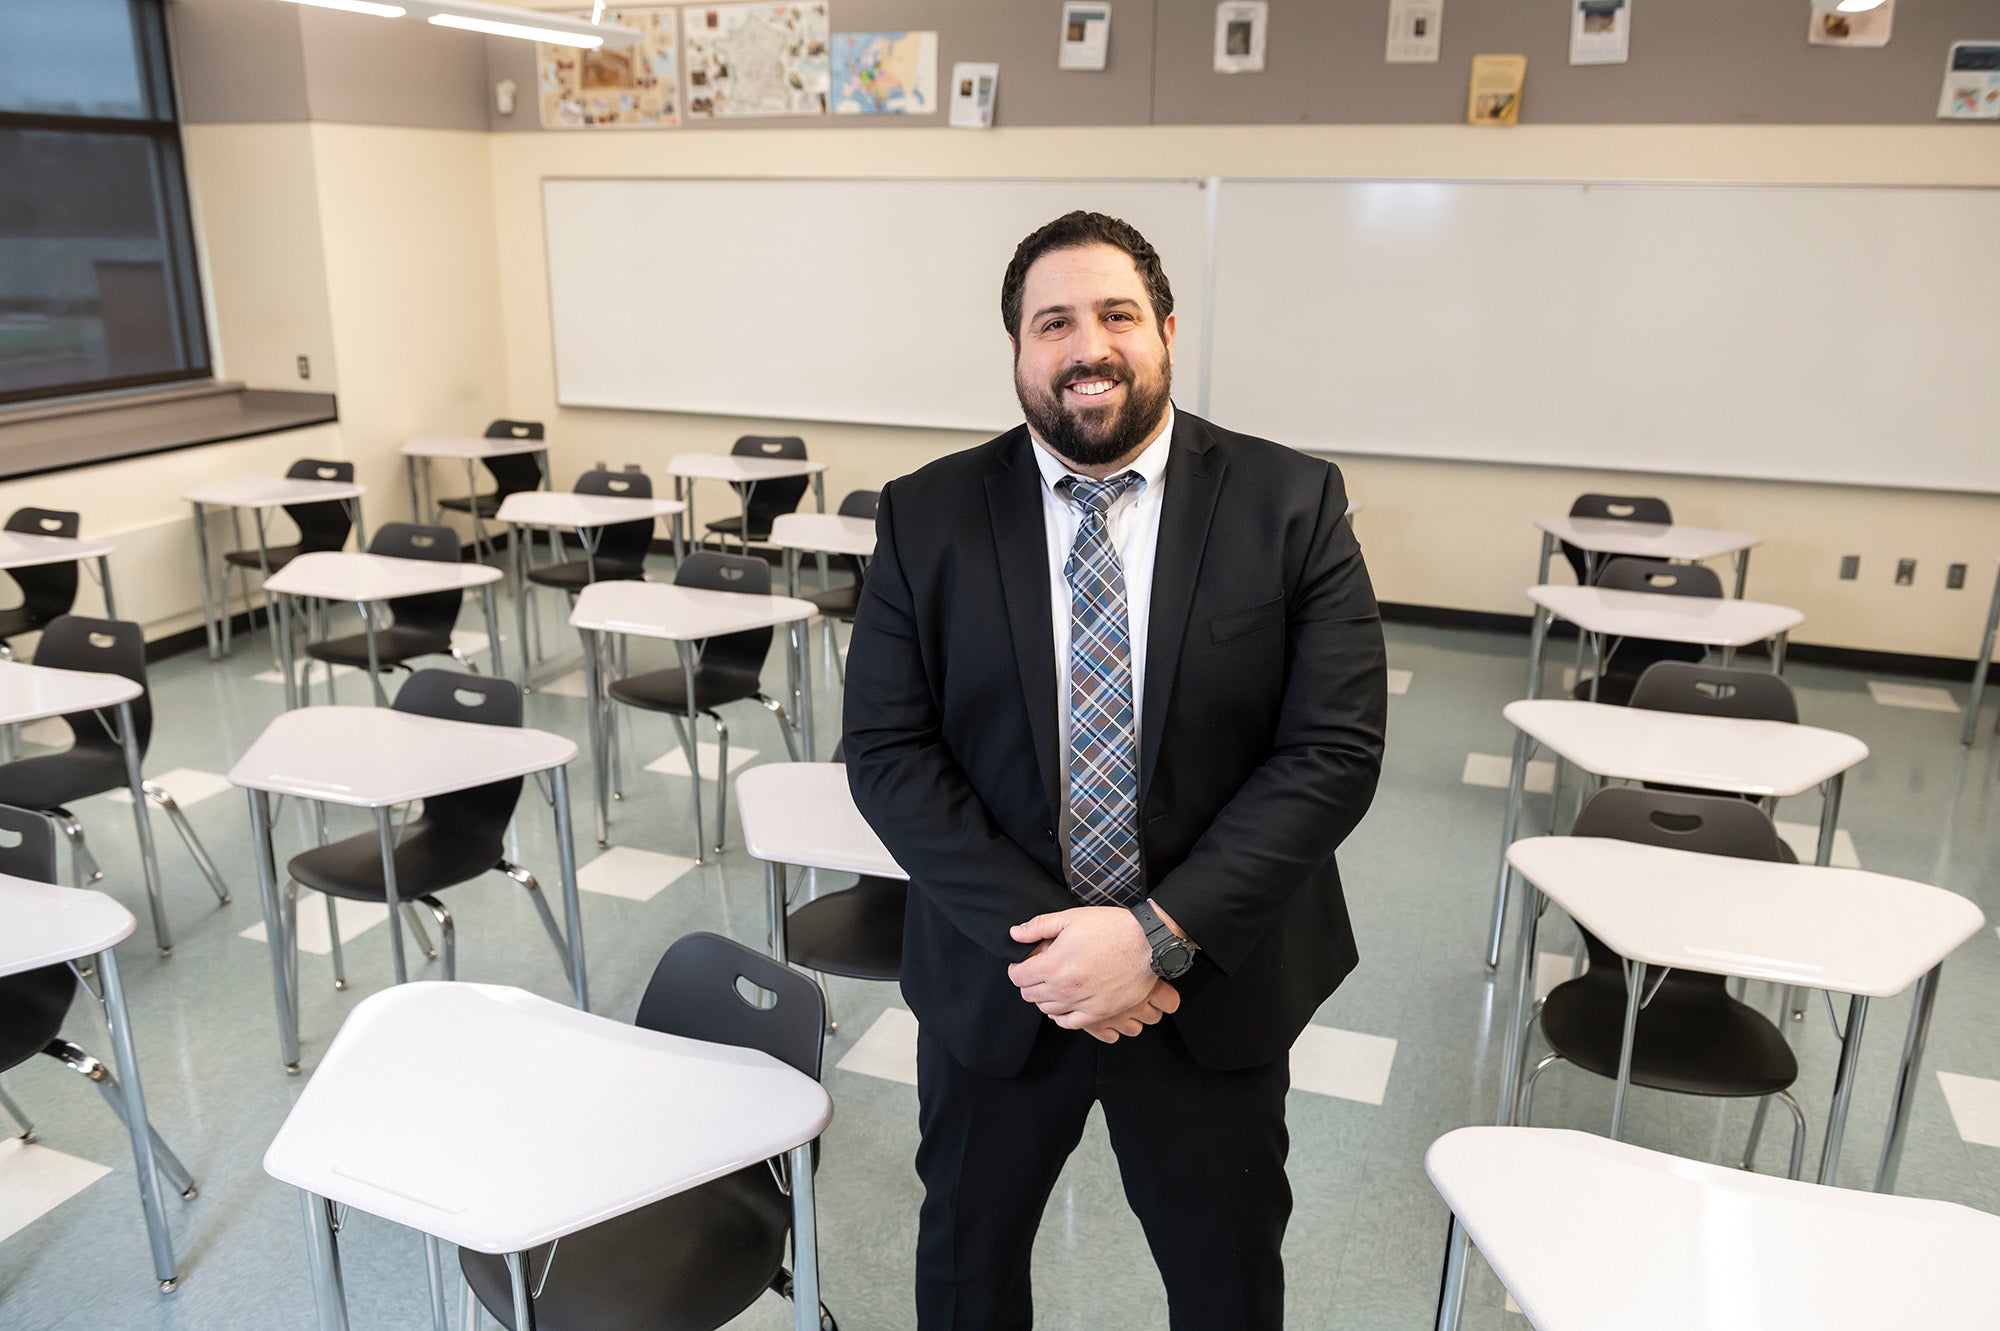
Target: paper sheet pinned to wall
[(1494, 97), (1416, 31), (1600, 32), (1086, 35), (1971, 82), (1239, 36)]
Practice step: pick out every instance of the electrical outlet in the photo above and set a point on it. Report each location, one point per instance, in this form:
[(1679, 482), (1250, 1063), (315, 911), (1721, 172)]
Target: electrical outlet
[(1850, 567), (1954, 578), (1906, 572), (305, 368)]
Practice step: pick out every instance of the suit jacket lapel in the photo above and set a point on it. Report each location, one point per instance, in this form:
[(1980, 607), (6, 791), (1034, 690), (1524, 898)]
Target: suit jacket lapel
[(1014, 503), (1194, 476)]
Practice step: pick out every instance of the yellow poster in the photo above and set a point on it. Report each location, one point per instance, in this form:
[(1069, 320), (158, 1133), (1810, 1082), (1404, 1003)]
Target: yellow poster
[(1495, 94)]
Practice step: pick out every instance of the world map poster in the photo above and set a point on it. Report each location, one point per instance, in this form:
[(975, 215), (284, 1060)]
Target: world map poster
[(884, 73), (756, 60)]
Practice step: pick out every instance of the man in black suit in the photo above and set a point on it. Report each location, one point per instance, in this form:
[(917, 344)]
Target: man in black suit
[(1116, 693)]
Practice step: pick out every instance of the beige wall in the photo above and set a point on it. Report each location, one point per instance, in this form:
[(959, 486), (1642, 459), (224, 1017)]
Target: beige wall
[(1438, 533)]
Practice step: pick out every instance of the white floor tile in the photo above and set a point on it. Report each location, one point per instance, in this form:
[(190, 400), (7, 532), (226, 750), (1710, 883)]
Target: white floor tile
[(1345, 1064), (634, 875), (35, 1180), (571, 685), (189, 786), (1569, 680), (1493, 769), (1399, 681), (470, 641), (308, 669), (1513, 1307), (1922, 697), (888, 1049), (356, 918), (674, 763), (1975, 1106), (50, 733), (1803, 838), (1552, 969)]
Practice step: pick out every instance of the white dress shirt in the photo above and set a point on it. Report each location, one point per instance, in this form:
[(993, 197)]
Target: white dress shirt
[(1134, 527)]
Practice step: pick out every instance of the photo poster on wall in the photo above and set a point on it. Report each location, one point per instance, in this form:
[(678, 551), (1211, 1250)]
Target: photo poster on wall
[(1416, 31), (757, 60), (631, 87), (884, 73), (1086, 35), (1493, 96), (1830, 25), (975, 86), (1239, 36), (1600, 32), (1971, 82)]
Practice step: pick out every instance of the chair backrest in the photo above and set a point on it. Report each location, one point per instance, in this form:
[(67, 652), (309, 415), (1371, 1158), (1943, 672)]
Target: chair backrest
[(515, 472), (860, 504), (1681, 686), (103, 647), (33, 1003), (47, 590), (1613, 508), (624, 541), (694, 994), (1627, 574), (27, 844), (770, 498), (709, 571), (482, 811), (436, 611), (323, 525)]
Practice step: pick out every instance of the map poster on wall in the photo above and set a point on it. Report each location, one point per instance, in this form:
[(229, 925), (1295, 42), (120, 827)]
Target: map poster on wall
[(1971, 82), (756, 60), (885, 73), (631, 87)]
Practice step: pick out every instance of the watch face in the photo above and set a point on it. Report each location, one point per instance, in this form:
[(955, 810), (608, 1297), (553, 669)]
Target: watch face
[(1174, 960)]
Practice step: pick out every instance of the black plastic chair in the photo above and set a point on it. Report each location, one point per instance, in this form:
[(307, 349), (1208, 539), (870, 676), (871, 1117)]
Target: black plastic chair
[(1731, 691), (695, 1260), (323, 525), (47, 590), (616, 553), (765, 500), (418, 625), (512, 472), (94, 764), (1612, 508), (34, 1004), (1628, 658), (460, 836), (1692, 1038), (841, 602), (729, 669), (856, 931)]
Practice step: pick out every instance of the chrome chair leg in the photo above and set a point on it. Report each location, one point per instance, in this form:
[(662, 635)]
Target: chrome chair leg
[(83, 864), (471, 1313), (288, 910), (1756, 1133), (416, 919), (541, 900), (464, 661), (777, 709), (78, 1061), (333, 939), (1521, 1115), (721, 780), (161, 796), (13, 1111), (447, 933), (1798, 1133)]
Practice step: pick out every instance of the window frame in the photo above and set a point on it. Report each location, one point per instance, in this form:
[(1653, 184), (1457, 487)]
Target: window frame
[(160, 129)]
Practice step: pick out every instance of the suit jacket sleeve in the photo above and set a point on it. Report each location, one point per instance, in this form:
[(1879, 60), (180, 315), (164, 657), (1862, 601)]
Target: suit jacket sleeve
[(905, 781), (1296, 809)]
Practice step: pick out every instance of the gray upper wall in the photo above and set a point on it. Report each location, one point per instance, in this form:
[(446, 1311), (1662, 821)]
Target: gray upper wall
[(1693, 62)]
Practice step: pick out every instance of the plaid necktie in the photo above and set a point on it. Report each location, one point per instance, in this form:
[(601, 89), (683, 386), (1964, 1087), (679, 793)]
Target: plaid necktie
[(1103, 740)]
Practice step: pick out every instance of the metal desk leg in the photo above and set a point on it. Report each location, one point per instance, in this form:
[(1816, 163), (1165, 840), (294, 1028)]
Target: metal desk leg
[(286, 665), (1906, 1080), (680, 541), (104, 576), (1516, 1048), (1778, 645), (743, 493), (482, 548), (524, 1302), (410, 475), (201, 555), (264, 576), (593, 698), (1538, 635), (491, 604), (798, 666), (1829, 822), (805, 1242), (1742, 570), (360, 527), (323, 1261), (434, 1276), (572, 906), (1635, 988), (1517, 777), (374, 662), (385, 833), (1451, 1290), (1596, 664), (520, 589), (1843, 1088), (1548, 555), (275, 935), (774, 893), (1985, 663), (136, 1123), (128, 734), (693, 750)]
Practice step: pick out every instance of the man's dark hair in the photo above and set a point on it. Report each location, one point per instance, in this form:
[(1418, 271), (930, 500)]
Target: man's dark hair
[(1074, 231)]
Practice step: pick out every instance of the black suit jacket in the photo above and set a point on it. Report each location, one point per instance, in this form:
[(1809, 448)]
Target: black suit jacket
[(1260, 743)]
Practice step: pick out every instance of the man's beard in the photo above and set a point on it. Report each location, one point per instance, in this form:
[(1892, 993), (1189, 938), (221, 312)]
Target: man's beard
[(1096, 437)]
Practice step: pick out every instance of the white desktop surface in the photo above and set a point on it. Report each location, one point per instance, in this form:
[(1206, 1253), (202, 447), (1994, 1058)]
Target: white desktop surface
[(372, 757), (1722, 753), (347, 575), (1590, 1234), (561, 508), (42, 924), (1702, 620), (1647, 540), (802, 814), (548, 1120), (680, 614), (270, 492), (738, 470), (829, 532), (467, 446), (31, 692), (1845, 930), (20, 549)]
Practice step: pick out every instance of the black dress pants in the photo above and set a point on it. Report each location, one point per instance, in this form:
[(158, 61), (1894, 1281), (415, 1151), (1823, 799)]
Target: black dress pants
[(1201, 1154)]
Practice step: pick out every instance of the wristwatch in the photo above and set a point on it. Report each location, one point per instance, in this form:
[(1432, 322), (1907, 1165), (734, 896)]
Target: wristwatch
[(1172, 954)]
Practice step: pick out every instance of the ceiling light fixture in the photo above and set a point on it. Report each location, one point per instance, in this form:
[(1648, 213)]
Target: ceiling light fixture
[(495, 20), (357, 7), (1858, 6)]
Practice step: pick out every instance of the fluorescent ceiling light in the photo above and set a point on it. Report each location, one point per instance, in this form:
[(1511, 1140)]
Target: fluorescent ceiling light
[(357, 7), (527, 24), (499, 28), (1858, 6)]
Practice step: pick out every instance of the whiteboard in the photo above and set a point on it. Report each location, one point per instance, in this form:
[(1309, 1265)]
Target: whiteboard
[(1795, 333), (868, 300)]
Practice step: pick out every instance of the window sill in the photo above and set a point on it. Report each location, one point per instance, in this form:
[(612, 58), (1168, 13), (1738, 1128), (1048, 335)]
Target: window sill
[(37, 443)]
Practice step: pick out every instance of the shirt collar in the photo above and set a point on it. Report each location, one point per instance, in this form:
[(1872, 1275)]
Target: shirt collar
[(1149, 466)]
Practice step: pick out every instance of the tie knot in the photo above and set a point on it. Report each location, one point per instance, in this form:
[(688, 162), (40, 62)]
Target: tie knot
[(1094, 497)]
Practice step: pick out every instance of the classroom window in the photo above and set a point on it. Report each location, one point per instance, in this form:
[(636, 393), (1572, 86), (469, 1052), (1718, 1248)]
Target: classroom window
[(98, 288)]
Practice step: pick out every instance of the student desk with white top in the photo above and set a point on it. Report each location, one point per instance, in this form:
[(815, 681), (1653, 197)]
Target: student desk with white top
[(470, 450), (1701, 621), (1644, 540), (376, 758), (1985, 659), (1588, 1235), (44, 925), (684, 616), (21, 549), (259, 494), (743, 474), (821, 534), (803, 815), (1846, 931), (550, 1121)]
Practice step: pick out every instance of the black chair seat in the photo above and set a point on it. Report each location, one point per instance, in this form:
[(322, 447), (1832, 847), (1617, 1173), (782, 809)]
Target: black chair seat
[(837, 602), (690, 1262), (577, 574), (666, 691), (17, 619), (1692, 1039), (856, 932), (275, 557), (57, 779), (32, 1007), (487, 505), (393, 646), (428, 859), (1614, 691), (760, 527)]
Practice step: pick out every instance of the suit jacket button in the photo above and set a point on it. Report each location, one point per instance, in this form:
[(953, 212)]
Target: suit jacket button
[(1049, 832)]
